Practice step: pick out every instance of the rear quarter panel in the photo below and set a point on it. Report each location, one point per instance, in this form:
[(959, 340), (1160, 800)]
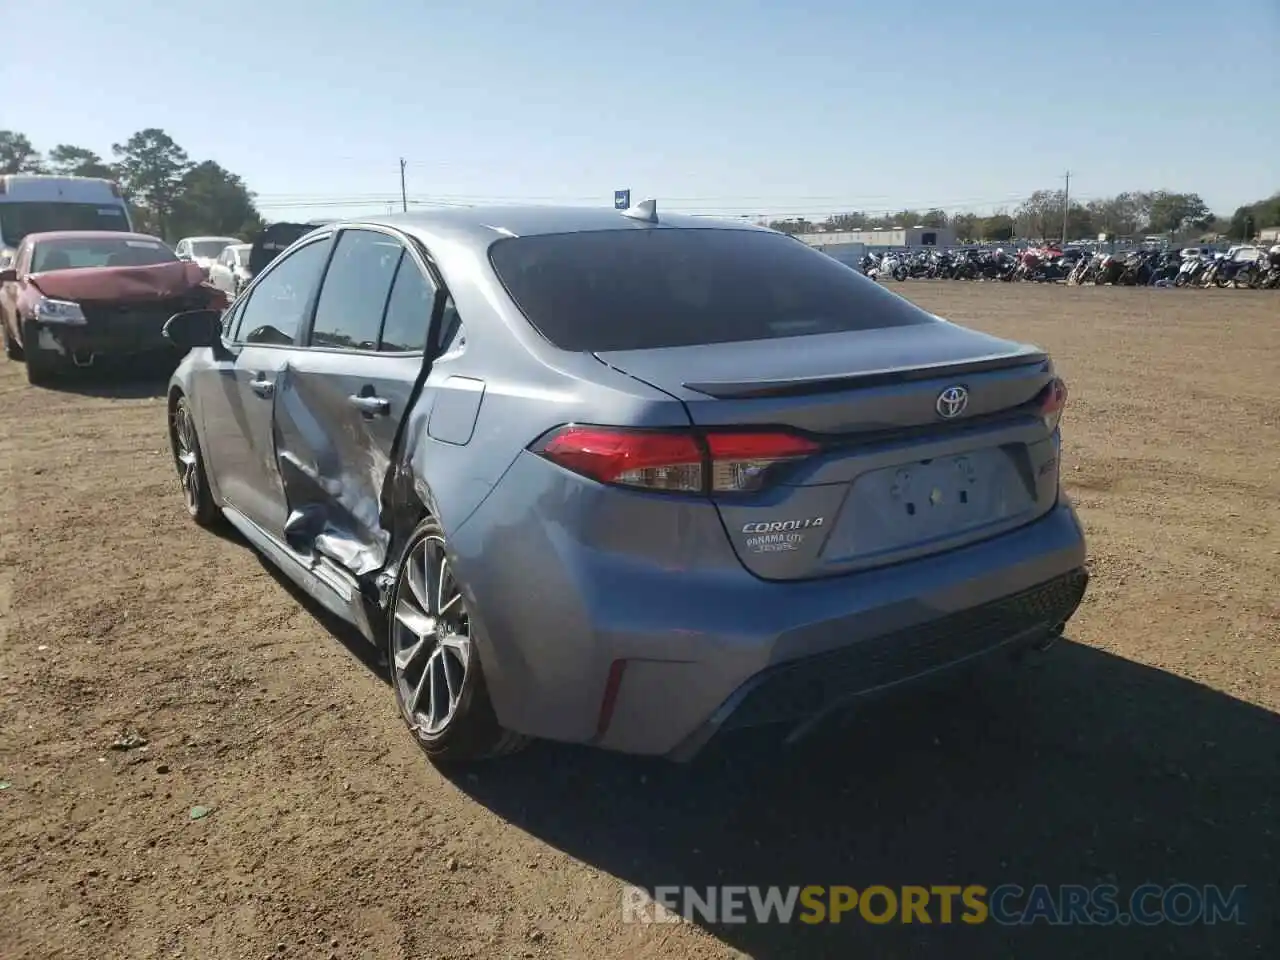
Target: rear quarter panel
[(518, 386)]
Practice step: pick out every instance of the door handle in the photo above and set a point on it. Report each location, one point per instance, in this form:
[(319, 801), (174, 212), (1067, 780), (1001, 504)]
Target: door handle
[(262, 387), (370, 406)]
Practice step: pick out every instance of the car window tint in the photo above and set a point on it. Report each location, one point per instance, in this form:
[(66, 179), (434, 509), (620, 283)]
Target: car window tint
[(451, 329), (644, 289), (408, 310), (355, 288), (276, 307), (229, 322)]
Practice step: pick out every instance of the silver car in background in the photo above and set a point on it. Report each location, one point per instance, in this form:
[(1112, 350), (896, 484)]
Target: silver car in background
[(626, 479), (230, 272), (202, 250)]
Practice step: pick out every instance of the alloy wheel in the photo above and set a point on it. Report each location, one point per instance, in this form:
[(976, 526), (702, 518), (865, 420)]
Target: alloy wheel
[(184, 452), (430, 638)]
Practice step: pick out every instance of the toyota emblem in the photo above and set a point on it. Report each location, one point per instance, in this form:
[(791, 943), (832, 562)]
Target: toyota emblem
[(952, 402)]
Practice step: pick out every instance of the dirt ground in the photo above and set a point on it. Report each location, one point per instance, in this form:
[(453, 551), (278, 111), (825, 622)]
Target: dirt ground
[(1144, 748)]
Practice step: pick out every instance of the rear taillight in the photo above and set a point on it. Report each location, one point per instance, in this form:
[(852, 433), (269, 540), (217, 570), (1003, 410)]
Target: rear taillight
[(674, 460), (1052, 400), (740, 461)]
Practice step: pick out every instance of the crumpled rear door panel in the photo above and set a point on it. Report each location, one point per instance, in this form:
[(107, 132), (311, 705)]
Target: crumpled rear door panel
[(334, 453)]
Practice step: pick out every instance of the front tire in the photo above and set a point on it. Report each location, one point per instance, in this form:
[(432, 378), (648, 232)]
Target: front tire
[(43, 366), (435, 666), (12, 349), (190, 464)]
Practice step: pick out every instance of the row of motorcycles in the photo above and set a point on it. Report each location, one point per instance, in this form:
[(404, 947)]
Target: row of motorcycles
[(1051, 264)]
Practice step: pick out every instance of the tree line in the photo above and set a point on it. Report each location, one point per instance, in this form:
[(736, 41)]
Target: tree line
[(169, 194), (1135, 213)]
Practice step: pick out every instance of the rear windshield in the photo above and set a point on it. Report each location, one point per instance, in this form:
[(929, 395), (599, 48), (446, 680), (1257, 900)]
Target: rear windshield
[(208, 248), (73, 252), (644, 289), (19, 219)]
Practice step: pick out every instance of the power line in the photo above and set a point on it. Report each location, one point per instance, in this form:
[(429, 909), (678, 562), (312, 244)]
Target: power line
[(733, 200), (774, 208), (697, 204)]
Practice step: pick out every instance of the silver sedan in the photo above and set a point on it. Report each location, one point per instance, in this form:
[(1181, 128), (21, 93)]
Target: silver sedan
[(622, 478)]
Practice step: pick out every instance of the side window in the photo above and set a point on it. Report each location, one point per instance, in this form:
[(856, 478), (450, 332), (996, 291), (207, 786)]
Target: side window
[(408, 310), (349, 311), (276, 306), (229, 320), (181, 249), (452, 332)]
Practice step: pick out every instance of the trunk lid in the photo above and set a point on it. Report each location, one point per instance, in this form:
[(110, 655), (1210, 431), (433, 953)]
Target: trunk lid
[(895, 477)]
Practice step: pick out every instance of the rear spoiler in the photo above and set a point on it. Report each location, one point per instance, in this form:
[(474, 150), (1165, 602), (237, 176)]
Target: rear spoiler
[(802, 386)]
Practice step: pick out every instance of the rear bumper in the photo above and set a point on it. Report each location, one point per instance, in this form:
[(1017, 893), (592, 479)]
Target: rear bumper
[(564, 585), (801, 691)]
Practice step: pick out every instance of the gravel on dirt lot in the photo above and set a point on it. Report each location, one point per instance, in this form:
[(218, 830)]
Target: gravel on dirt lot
[(196, 763)]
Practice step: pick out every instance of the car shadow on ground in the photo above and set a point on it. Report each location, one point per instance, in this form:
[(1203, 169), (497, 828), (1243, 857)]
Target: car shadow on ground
[(1078, 768)]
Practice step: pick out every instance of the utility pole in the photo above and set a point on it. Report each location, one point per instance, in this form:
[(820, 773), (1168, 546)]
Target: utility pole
[(1066, 205), (404, 198)]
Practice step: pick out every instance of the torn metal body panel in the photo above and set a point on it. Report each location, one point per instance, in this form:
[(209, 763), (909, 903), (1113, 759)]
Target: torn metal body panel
[(147, 284), (683, 477), (334, 433)]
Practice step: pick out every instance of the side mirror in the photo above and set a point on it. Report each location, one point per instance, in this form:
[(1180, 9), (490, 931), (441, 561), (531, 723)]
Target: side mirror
[(8, 275), (194, 328)]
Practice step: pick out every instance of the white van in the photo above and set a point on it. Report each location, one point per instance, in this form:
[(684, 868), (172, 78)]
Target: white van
[(35, 203)]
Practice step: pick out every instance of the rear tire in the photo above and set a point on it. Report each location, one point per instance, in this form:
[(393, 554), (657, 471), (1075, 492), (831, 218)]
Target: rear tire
[(434, 662)]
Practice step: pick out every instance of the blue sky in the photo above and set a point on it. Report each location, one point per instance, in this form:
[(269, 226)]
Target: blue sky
[(797, 108)]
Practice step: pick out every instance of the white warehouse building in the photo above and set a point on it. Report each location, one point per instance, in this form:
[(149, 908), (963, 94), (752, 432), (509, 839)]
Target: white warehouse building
[(896, 237), (850, 254)]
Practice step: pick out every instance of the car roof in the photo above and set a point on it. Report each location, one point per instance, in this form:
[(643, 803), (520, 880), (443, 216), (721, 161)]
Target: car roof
[(91, 235), (480, 226)]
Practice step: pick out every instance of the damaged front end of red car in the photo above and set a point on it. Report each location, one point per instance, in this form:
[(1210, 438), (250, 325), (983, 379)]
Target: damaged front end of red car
[(85, 314)]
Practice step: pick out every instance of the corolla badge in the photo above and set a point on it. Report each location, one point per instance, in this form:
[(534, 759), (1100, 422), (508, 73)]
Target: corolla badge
[(952, 402)]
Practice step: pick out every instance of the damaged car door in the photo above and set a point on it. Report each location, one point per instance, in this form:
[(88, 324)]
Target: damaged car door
[(238, 395), (340, 401)]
